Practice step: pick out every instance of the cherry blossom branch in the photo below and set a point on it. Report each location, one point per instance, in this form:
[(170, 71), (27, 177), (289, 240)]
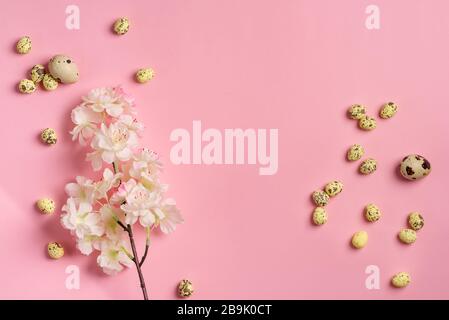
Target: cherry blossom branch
[(122, 225), (147, 246), (144, 255), (136, 262)]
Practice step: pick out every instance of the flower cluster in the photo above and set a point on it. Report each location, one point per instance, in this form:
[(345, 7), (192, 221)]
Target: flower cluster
[(100, 213)]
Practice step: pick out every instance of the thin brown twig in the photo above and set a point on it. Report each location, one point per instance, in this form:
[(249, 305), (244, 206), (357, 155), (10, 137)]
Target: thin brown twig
[(136, 262), (122, 225), (147, 245)]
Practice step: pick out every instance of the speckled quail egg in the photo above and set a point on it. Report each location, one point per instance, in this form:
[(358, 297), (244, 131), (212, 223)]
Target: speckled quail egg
[(46, 205), (55, 250), (144, 75), (388, 110), (185, 288), (26, 86), (320, 198), (367, 123), (37, 73), (333, 188), (416, 221), (49, 136), (401, 280), (356, 111), (368, 166), (121, 26), (372, 213), (23, 46), (49, 82), (319, 216), (359, 239), (355, 152), (414, 167), (63, 69), (407, 236)]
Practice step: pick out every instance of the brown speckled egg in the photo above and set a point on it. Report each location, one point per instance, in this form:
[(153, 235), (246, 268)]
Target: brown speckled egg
[(55, 250), (414, 167), (185, 288), (63, 69)]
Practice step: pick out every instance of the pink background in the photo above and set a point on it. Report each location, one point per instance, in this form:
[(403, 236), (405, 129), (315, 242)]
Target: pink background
[(292, 65)]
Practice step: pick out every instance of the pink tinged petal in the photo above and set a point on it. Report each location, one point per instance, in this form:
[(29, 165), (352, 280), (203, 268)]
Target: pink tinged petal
[(159, 213), (95, 159), (84, 246), (85, 207), (66, 223), (108, 156), (125, 260), (72, 189), (130, 219), (124, 155), (97, 107), (147, 219), (167, 227), (108, 174), (133, 139), (114, 110)]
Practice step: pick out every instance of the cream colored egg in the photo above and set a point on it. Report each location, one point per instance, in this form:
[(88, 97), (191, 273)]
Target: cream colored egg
[(401, 280), (46, 205), (121, 26), (407, 236), (356, 111), (319, 216), (359, 239), (367, 123), (355, 152), (26, 86), (415, 167), (372, 213), (333, 188), (185, 288), (144, 75), (320, 198), (49, 136), (55, 250), (416, 221), (368, 166), (23, 46), (388, 110), (37, 73), (49, 82), (63, 69)]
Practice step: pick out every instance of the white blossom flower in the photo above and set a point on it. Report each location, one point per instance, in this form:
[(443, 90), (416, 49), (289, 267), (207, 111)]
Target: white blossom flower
[(115, 143), (138, 203), (83, 190), (86, 121), (168, 216), (131, 123), (146, 162), (109, 181), (95, 159), (81, 220), (113, 257), (103, 100), (109, 215), (88, 244), (95, 210), (125, 188), (127, 101)]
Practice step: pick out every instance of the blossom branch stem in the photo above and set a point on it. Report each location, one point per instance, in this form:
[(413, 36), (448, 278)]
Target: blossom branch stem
[(147, 245), (136, 262), (122, 225)]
